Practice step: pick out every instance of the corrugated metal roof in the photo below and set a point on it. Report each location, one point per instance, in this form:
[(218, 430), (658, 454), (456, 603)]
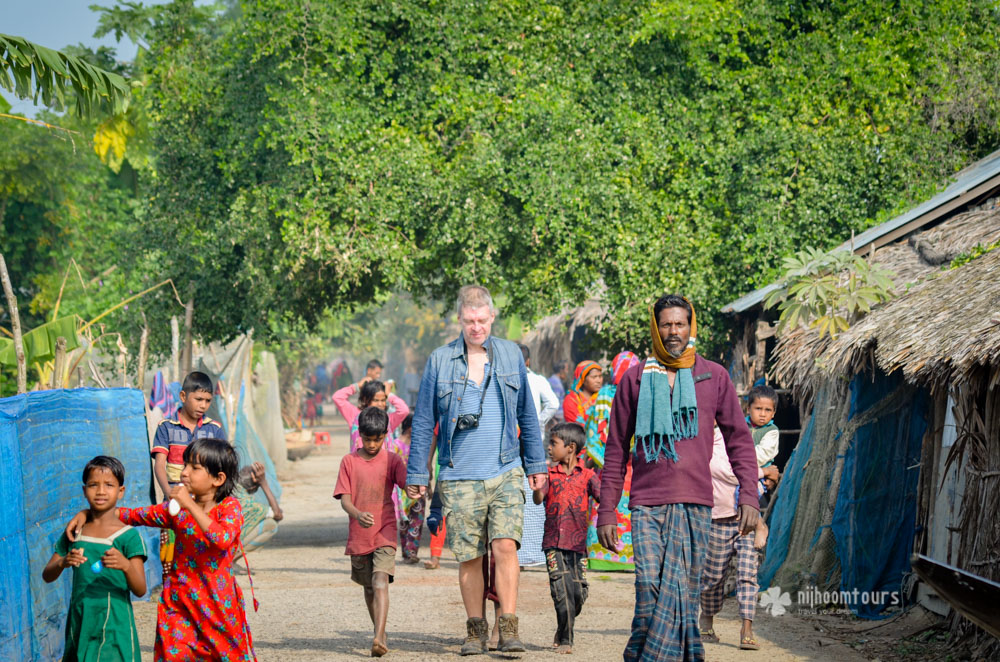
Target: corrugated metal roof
[(978, 173)]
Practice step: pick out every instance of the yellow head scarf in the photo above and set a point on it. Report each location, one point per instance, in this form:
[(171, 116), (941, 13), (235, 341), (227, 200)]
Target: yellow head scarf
[(686, 359)]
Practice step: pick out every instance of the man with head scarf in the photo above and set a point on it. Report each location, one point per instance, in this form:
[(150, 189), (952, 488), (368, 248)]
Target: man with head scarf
[(669, 403)]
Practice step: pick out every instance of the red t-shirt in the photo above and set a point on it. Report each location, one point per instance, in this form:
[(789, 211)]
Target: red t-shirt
[(370, 483), (566, 507)]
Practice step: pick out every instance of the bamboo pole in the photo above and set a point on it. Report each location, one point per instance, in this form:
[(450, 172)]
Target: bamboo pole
[(15, 323), (175, 350), (59, 364), (188, 347), (140, 377), (121, 368)]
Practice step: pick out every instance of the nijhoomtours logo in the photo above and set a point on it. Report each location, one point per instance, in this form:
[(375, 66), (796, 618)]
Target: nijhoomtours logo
[(814, 601)]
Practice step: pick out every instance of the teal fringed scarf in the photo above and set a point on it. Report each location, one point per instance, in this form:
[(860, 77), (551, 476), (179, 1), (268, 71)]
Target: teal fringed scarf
[(662, 420)]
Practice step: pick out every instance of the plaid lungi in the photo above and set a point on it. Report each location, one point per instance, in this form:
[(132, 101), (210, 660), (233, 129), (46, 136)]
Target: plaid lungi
[(724, 540), (531, 552), (669, 544)]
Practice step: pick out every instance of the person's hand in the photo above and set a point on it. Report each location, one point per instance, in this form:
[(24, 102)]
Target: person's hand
[(76, 525), (278, 515), (115, 559), (416, 491), (364, 380), (771, 473), (748, 518), (183, 497), (366, 519), (607, 535), (536, 481), (74, 559), (257, 472)]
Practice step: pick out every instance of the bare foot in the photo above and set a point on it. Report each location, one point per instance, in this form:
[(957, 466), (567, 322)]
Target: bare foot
[(494, 639), (565, 649), (555, 640), (378, 648), (411, 560), (433, 564)]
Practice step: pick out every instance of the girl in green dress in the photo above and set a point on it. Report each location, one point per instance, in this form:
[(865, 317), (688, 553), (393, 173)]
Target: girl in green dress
[(107, 560)]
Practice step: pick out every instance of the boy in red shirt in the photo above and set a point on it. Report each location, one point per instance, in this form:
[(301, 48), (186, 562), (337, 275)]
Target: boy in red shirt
[(566, 519), (364, 487)]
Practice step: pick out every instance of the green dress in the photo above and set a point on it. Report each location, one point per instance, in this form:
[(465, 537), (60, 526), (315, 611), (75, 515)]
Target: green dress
[(100, 626)]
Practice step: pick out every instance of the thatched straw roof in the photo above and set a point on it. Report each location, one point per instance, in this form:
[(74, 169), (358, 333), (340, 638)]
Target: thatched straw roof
[(551, 339), (940, 327)]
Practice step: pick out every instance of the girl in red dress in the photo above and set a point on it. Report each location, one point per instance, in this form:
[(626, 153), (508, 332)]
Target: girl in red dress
[(201, 615)]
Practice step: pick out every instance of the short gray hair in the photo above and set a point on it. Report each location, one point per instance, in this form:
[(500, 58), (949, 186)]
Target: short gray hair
[(473, 296)]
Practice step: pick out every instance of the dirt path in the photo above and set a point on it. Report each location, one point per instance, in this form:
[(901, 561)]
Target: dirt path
[(310, 609)]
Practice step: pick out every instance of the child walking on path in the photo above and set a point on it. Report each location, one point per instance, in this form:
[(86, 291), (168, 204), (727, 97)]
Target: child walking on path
[(364, 486), (173, 435), (371, 393), (566, 519), (725, 541), (107, 561), (201, 614), (762, 405)]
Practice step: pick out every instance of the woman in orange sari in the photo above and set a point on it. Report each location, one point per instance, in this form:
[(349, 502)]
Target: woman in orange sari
[(587, 381)]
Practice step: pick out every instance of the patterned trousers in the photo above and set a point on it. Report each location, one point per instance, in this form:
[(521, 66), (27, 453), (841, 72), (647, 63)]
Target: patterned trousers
[(669, 544), (724, 541), (411, 528), (569, 588)]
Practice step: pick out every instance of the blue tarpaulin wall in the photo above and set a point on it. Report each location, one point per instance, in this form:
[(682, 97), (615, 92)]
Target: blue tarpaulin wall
[(875, 513), (46, 438), (783, 514), (875, 517)]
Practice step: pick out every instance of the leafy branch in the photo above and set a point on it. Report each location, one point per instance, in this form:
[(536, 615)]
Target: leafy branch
[(30, 70), (828, 291)]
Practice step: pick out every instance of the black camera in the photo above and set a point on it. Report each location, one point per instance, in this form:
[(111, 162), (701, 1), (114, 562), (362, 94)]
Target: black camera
[(467, 422)]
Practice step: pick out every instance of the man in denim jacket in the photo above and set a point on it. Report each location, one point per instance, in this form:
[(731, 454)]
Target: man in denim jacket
[(476, 389)]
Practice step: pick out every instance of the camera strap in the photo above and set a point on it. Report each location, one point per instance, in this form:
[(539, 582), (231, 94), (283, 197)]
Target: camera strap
[(489, 374)]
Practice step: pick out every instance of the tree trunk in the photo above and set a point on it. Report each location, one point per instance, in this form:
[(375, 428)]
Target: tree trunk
[(58, 364), (15, 323)]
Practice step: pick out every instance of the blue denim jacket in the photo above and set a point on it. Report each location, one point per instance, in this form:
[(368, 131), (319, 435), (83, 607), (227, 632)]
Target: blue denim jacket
[(445, 370)]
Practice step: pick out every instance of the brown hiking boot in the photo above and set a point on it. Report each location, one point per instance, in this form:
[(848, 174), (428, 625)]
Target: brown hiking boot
[(509, 641), (478, 632)]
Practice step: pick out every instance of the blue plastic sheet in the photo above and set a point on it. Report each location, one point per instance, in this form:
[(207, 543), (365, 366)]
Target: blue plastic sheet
[(875, 516), (783, 514), (46, 438)]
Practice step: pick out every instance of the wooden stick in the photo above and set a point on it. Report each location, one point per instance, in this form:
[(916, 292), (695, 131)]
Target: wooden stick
[(175, 350), (140, 377), (121, 368), (15, 323), (96, 374), (188, 348), (59, 363)]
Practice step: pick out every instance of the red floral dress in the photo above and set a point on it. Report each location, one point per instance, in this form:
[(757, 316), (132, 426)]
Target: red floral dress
[(200, 616)]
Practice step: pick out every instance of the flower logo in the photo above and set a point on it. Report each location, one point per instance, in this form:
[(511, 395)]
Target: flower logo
[(775, 600)]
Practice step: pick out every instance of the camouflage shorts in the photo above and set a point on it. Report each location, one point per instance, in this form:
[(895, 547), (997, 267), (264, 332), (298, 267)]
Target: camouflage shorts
[(479, 511)]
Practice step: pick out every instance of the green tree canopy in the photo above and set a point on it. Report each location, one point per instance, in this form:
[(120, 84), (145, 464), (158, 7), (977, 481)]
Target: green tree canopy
[(311, 156)]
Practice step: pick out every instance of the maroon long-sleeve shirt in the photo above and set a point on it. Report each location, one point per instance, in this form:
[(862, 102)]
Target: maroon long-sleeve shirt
[(688, 480)]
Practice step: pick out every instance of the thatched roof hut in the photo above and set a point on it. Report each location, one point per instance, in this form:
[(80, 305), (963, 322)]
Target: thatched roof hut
[(900, 448), (560, 337), (937, 330)]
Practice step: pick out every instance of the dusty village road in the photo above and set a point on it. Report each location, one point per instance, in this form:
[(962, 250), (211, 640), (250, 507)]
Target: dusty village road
[(310, 609)]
